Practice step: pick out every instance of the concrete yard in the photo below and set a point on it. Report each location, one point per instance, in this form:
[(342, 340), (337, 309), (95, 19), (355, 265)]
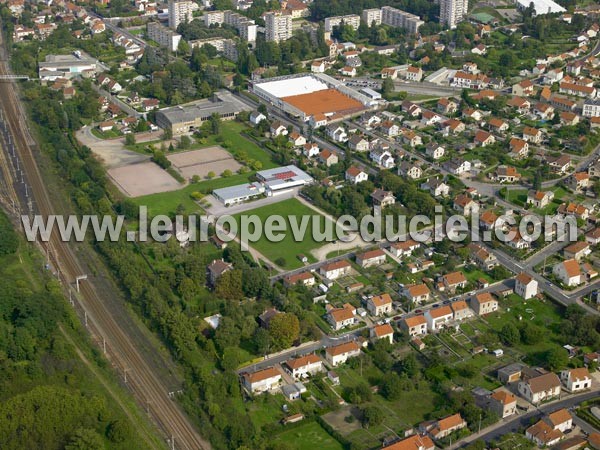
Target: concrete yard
[(145, 178), (200, 162)]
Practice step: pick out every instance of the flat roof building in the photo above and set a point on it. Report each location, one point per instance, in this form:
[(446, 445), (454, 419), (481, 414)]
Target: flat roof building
[(283, 178), (541, 6), (67, 66), (238, 194), (186, 118), (163, 36), (315, 95)]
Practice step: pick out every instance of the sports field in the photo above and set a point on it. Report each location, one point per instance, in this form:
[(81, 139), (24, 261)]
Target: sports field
[(201, 162), (289, 248), (145, 178)]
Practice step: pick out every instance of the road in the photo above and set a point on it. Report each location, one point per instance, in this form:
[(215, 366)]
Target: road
[(108, 23), (549, 288), (120, 103), (286, 120), (513, 424), (425, 88), (129, 348)]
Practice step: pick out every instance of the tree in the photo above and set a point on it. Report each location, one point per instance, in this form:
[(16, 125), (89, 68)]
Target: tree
[(556, 358), (226, 173), (372, 416), (391, 386), (85, 439), (262, 341), (509, 334), (130, 139), (184, 142), (117, 431), (284, 329), (387, 87), (210, 175), (229, 285), (215, 123), (280, 261), (9, 241)]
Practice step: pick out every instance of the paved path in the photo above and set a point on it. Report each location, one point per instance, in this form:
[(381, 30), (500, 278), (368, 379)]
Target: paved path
[(110, 151)]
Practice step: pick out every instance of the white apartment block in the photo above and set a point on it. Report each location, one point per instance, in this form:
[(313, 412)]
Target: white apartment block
[(453, 11), (371, 15), (246, 27), (180, 11), (278, 27), (213, 17), (224, 46), (397, 18), (351, 19), (163, 36), (591, 108)]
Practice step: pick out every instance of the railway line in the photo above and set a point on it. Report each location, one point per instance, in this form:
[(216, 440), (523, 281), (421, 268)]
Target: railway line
[(124, 344)]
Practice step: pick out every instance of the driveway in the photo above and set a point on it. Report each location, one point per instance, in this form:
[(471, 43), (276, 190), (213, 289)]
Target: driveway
[(218, 209)]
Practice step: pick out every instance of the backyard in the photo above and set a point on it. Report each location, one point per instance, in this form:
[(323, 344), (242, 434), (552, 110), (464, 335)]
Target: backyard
[(308, 436)]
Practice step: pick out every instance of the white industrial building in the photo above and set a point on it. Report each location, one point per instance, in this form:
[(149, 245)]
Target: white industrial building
[(275, 90), (270, 182), (67, 66), (282, 179), (238, 194), (541, 6)]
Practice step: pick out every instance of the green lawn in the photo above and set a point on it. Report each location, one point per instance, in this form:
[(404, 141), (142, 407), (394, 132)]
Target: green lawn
[(105, 134), (288, 248), (542, 313), (232, 139), (309, 436), (167, 202)]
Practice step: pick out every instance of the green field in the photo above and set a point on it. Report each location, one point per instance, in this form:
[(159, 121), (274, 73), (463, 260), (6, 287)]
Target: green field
[(167, 202), (231, 138), (288, 248), (309, 436)]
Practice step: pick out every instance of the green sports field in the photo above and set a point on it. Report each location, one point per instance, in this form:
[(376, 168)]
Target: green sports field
[(289, 248)]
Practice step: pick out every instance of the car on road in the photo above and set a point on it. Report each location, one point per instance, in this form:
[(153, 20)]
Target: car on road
[(418, 311), (435, 305), (446, 302), (397, 318)]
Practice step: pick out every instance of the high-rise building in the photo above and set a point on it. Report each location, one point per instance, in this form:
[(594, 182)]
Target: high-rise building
[(397, 18), (246, 27), (453, 11), (180, 11), (278, 27), (371, 15), (351, 19), (163, 36)]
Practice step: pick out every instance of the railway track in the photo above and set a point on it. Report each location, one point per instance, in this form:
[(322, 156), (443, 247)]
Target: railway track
[(115, 334)]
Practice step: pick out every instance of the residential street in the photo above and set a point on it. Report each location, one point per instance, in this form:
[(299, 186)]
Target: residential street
[(514, 424)]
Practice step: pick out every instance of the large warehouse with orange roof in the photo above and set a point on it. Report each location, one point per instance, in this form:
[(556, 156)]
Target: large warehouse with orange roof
[(316, 95)]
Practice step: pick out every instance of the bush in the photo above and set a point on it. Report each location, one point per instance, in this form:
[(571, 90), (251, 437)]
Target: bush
[(9, 242)]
